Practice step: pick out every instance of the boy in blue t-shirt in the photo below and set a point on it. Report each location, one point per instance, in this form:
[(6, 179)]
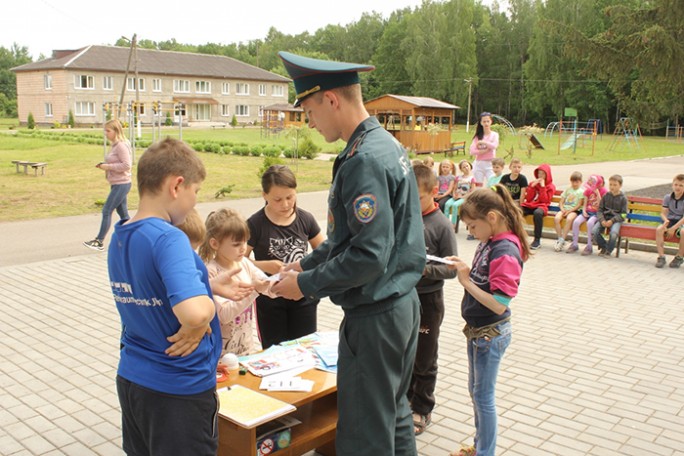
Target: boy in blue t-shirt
[(171, 338)]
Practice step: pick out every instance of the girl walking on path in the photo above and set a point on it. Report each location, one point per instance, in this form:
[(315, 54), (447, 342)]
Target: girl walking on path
[(117, 168)]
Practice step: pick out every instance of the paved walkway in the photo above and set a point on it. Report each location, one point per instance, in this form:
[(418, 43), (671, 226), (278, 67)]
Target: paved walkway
[(595, 366)]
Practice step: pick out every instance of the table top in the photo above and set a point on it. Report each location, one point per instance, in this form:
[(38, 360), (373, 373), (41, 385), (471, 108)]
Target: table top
[(324, 383)]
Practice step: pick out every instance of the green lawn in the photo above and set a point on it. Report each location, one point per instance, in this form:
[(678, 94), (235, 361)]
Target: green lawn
[(74, 186)]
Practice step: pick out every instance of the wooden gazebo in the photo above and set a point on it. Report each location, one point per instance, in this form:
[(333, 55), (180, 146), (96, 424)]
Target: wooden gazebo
[(419, 123), (281, 115)]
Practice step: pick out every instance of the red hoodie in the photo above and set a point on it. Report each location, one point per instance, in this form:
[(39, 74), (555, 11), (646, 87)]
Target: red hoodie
[(538, 195)]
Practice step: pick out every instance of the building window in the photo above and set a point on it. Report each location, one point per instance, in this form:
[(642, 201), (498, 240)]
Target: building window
[(108, 83), (47, 80), (242, 110), (225, 88), (181, 86), (277, 91), (225, 110), (156, 85), (241, 88), (130, 84), (202, 87), (48, 109), (84, 108), (262, 90), (202, 112), (83, 81)]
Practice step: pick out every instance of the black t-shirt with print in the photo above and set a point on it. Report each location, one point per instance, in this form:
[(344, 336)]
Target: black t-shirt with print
[(514, 186), (285, 243)]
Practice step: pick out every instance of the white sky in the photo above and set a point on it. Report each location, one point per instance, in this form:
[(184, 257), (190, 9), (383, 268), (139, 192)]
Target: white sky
[(45, 25)]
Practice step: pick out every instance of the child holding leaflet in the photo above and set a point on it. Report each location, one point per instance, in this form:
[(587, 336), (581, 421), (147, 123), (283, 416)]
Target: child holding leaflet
[(224, 249), (440, 241), (489, 287)]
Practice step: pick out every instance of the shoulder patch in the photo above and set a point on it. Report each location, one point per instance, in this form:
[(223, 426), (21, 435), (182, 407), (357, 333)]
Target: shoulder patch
[(365, 207)]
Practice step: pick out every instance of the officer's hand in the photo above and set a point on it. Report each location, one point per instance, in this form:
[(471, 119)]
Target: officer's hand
[(292, 267), (288, 287)]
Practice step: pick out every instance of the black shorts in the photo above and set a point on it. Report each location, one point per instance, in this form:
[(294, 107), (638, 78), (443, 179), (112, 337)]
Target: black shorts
[(155, 423)]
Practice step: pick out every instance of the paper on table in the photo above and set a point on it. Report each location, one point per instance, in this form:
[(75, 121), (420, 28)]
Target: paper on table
[(286, 384), (250, 408)]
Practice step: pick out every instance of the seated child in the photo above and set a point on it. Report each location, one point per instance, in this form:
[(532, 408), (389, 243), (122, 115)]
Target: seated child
[(515, 183), (673, 219), (465, 183), (570, 206), (224, 249), (497, 166), (610, 215), (594, 191), (446, 178), (537, 200)]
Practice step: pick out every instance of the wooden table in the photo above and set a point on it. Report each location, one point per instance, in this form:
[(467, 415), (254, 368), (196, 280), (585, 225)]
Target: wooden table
[(317, 410)]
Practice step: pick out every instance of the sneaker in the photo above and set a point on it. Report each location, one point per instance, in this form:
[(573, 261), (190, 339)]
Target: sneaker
[(535, 245), (95, 244), (559, 245), (676, 262), (660, 262), (587, 251), (607, 255), (572, 249)]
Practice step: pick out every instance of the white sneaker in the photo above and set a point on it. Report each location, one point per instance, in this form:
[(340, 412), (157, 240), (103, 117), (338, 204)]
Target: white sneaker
[(559, 245)]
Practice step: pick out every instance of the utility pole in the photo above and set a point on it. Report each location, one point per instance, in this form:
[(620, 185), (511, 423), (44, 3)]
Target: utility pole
[(125, 81), (470, 91), (137, 86)]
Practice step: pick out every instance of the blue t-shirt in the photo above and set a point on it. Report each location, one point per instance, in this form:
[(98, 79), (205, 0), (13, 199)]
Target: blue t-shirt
[(152, 267)]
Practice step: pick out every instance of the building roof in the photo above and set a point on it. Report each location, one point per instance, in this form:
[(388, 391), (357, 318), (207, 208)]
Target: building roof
[(422, 102), (171, 63), (283, 107)]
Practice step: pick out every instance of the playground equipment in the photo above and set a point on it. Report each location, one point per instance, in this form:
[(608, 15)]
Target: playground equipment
[(578, 130), (626, 130), (674, 132)]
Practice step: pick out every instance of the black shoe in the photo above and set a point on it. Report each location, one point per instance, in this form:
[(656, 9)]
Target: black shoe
[(95, 244), (536, 244)]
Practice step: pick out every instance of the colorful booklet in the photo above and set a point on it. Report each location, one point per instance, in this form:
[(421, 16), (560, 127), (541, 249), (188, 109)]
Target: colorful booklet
[(249, 408), (293, 358)]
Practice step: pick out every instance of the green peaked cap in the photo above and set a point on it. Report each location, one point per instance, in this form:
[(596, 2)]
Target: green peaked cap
[(313, 75)]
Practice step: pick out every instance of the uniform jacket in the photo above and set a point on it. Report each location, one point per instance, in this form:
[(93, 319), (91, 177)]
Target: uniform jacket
[(375, 249), (538, 196)]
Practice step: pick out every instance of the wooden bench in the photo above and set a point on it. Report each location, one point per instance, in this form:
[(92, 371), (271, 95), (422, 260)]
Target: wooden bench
[(35, 165), (455, 149), (643, 216)]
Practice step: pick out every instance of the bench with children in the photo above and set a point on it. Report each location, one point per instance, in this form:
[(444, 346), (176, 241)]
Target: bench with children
[(595, 210)]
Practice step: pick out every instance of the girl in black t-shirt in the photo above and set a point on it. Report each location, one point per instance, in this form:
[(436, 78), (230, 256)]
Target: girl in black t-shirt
[(281, 233)]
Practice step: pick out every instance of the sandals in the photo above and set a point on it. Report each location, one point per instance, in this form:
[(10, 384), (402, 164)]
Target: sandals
[(421, 422), (464, 451)]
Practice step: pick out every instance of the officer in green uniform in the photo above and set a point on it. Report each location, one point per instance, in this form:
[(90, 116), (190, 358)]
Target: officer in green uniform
[(370, 263)]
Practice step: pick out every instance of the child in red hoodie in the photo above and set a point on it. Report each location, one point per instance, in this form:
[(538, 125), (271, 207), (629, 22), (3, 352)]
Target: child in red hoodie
[(538, 197)]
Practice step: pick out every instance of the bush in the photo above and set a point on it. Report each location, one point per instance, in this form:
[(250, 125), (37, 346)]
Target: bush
[(242, 151), (308, 149), (30, 122), (271, 151), (233, 121), (71, 122), (267, 163), (169, 121)]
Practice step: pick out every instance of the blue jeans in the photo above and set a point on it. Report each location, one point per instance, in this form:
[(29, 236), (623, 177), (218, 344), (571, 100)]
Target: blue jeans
[(600, 240), (484, 357), (117, 199)]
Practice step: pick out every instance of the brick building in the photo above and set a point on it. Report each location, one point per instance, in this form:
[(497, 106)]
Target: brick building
[(198, 87)]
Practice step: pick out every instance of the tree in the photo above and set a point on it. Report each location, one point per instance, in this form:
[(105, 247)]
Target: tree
[(10, 58), (390, 75), (640, 54)]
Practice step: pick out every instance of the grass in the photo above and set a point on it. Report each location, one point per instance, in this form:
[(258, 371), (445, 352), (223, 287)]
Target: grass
[(73, 186)]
